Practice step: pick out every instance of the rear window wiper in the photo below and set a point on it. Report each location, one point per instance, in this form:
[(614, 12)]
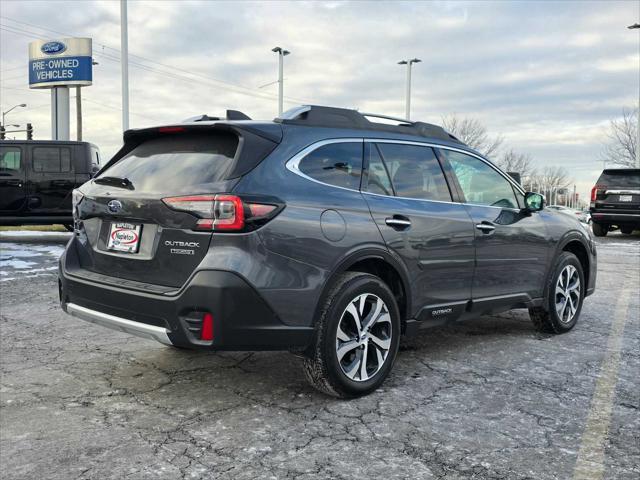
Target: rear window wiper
[(115, 182)]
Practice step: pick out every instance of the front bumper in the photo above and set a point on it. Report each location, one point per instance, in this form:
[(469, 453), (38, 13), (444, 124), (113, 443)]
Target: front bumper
[(242, 320)]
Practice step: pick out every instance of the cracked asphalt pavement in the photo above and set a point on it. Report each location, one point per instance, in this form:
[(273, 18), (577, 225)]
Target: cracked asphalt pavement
[(488, 399)]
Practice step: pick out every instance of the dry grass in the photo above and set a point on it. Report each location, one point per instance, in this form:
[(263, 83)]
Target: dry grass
[(37, 228)]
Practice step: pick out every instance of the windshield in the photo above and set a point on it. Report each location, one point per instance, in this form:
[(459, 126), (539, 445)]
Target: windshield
[(177, 163)]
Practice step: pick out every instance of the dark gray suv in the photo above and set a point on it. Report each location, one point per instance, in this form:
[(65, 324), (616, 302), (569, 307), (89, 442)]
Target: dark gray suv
[(327, 232)]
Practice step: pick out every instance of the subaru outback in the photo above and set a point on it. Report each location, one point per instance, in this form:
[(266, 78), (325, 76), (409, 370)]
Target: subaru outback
[(326, 232)]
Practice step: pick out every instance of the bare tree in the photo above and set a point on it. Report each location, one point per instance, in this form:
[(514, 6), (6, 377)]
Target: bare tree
[(550, 181), (512, 161), (555, 177), (473, 133), (622, 135)]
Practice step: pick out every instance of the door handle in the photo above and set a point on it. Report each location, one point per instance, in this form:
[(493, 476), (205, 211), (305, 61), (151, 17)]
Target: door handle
[(486, 227), (398, 222)]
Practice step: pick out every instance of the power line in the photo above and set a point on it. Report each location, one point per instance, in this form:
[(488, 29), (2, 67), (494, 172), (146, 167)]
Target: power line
[(172, 75), (249, 90)]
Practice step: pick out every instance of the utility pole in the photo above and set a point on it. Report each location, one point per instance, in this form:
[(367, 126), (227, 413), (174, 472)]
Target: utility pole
[(78, 114), (124, 64), (281, 54), (636, 26), (407, 100)]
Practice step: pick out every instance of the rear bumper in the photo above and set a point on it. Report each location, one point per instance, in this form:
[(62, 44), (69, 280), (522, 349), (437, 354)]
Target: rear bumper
[(242, 320), (143, 330), (615, 218)]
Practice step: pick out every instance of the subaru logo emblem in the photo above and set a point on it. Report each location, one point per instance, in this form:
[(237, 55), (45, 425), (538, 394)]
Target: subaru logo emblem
[(53, 48), (114, 206)]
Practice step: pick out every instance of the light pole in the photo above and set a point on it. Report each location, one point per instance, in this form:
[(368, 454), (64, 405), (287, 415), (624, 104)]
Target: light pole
[(407, 104), (636, 26), (15, 106), (281, 54)]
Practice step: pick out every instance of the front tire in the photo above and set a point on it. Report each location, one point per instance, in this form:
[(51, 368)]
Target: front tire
[(599, 230), (357, 337), (564, 296)]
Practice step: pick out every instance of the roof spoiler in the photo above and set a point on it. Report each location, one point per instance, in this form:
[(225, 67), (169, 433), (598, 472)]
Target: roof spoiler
[(320, 116), (230, 115)]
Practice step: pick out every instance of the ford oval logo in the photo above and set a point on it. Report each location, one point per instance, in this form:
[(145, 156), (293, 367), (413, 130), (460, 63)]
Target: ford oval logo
[(114, 206), (53, 48)]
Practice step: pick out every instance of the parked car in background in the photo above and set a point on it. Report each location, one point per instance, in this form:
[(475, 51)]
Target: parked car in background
[(38, 176), (325, 232), (615, 201), (581, 215)]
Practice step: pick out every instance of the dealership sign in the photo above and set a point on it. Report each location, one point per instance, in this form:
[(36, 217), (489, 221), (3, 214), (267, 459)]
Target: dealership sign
[(64, 62)]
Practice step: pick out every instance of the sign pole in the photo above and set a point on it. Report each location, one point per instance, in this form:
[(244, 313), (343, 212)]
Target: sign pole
[(60, 113), (78, 114), (124, 64)]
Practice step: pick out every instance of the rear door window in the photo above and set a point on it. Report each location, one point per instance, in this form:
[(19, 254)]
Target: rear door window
[(338, 164), (51, 159), (10, 159), (178, 163), (377, 175), (415, 172)]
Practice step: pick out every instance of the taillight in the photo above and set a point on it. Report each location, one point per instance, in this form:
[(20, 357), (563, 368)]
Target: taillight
[(223, 212), (207, 327), (596, 190)]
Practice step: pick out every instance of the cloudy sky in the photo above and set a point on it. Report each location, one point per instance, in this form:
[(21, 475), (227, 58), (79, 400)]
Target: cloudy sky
[(548, 76)]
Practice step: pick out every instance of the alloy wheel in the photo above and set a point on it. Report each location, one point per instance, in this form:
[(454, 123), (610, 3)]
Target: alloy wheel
[(567, 297), (363, 337)]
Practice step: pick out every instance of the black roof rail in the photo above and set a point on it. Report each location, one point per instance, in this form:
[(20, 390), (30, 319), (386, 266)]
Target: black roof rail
[(321, 116), (230, 115)]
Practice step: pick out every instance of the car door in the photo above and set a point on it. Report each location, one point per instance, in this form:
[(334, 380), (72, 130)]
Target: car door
[(411, 203), (512, 245), (12, 179), (51, 179)]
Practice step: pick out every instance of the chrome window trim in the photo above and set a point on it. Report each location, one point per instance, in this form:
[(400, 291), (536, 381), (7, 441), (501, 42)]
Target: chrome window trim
[(459, 150), (293, 165)]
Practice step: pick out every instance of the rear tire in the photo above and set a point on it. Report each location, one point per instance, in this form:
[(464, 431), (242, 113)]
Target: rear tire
[(564, 294), (626, 230), (599, 230), (357, 337)]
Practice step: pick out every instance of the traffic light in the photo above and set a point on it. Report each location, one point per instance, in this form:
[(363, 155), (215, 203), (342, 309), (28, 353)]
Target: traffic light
[(29, 131), (1, 132)]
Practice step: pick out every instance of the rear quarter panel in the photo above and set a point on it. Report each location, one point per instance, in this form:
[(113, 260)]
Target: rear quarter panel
[(319, 227)]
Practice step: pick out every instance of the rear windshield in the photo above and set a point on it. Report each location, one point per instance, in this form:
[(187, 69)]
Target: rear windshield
[(620, 178), (176, 163)]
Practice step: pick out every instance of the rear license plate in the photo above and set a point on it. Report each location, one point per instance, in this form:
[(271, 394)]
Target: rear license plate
[(124, 237), (626, 198)]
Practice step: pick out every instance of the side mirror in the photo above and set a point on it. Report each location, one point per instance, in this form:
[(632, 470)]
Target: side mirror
[(534, 202)]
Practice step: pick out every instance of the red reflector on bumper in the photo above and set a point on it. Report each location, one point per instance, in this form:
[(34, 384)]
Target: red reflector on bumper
[(207, 327)]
